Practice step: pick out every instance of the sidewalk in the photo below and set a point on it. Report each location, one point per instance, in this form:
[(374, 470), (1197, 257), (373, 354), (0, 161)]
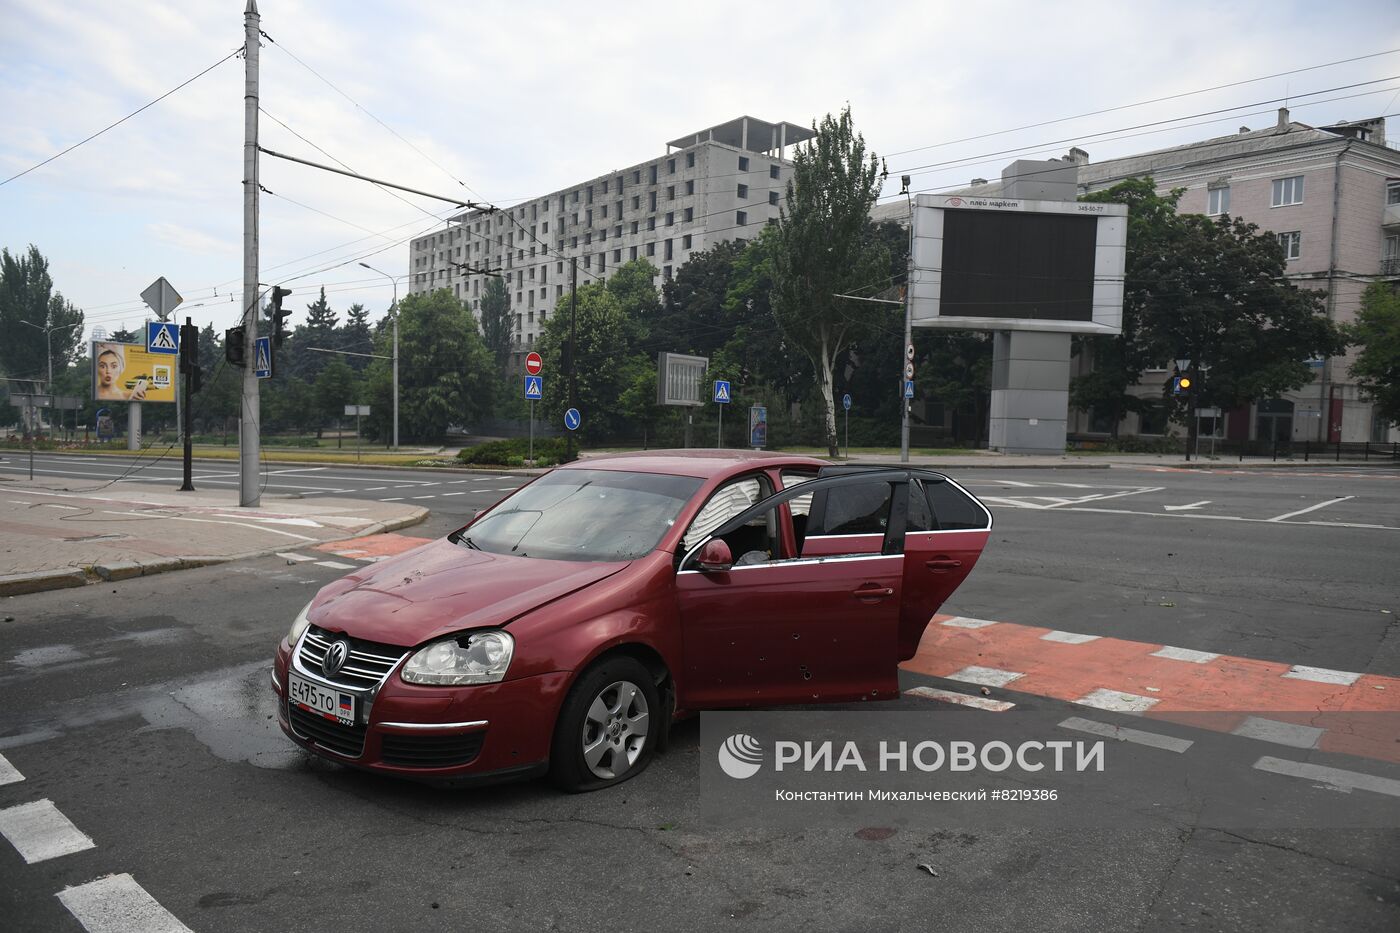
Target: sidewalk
[(51, 539)]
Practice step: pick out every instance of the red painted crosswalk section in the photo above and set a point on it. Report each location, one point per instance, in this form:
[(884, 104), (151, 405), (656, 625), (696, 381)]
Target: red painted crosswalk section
[(372, 547)]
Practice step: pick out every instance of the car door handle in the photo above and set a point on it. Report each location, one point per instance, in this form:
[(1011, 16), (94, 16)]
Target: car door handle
[(943, 564), (873, 591)]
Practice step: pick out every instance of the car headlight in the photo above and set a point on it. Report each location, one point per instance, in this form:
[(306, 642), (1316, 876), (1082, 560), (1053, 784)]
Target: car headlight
[(480, 658), (299, 625)]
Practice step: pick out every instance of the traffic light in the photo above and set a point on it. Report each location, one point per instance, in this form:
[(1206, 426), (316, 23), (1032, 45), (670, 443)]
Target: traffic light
[(1181, 383), (744, 376), (278, 315), (189, 355), (234, 351)]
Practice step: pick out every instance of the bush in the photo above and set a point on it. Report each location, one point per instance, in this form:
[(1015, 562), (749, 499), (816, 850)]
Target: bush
[(549, 451)]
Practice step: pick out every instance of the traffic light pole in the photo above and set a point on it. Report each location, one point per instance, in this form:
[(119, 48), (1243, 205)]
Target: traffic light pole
[(249, 445), (187, 416), (573, 350)]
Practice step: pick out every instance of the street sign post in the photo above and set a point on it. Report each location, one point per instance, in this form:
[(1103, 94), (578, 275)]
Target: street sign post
[(162, 298), (846, 404), (262, 365), (358, 411), (534, 391), (722, 398)]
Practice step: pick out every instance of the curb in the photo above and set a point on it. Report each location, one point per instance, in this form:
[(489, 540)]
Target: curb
[(22, 584), (508, 471)]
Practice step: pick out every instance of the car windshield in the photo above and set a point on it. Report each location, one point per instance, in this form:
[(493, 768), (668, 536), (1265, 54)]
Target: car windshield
[(583, 515)]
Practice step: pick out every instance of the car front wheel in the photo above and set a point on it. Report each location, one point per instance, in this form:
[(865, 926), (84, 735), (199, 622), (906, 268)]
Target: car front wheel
[(607, 728)]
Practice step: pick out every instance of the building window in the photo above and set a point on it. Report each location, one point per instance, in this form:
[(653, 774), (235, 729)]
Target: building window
[(544, 228), (741, 218), (637, 177), (1287, 191), (671, 166), (651, 200), (590, 195), (635, 226), (743, 163), (652, 174), (617, 255), (666, 273), (602, 262), (604, 211), (1390, 259), (743, 191), (588, 218), (632, 252), (1292, 244), (576, 196), (573, 242), (685, 241), (1218, 201), (636, 202), (689, 214), (651, 249), (605, 186), (1392, 191), (668, 253), (670, 218), (773, 198), (690, 160), (651, 223), (690, 187), (670, 192)]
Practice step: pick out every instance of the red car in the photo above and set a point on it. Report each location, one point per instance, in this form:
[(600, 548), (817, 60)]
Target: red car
[(566, 627)]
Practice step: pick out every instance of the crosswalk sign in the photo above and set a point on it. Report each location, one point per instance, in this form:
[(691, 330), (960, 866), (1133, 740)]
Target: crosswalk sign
[(534, 387), (162, 337), (262, 367), (909, 388), (721, 391)]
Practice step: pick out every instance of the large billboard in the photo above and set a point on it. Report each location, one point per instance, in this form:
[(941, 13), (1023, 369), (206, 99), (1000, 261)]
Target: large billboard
[(1009, 264), (127, 372)]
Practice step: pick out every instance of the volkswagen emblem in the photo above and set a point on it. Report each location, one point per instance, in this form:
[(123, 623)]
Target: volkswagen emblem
[(335, 658)]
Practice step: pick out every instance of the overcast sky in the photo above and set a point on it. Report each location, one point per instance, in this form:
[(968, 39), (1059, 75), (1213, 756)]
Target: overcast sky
[(518, 99)]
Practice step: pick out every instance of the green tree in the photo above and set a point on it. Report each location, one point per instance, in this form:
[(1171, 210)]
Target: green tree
[(335, 388), (446, 373), (825, 246), (355, 336), (1221, 300), (1118, 361), (1377, 365), (695, 311), (495, 319), (27, 295), (601, 357)]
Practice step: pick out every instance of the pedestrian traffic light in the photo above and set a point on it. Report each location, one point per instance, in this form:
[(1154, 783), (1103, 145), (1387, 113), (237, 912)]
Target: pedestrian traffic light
[(234, 350), (1181, 383), (278, 315)]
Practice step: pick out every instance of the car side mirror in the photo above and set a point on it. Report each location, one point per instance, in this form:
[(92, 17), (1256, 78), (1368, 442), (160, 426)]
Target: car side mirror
[(715, 556)]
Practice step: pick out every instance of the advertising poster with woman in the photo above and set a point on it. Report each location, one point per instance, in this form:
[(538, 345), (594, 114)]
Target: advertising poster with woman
[(126, 372)]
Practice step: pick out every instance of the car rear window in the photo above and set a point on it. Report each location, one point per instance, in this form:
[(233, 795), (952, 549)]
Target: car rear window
[(583, 515), (954, 509)]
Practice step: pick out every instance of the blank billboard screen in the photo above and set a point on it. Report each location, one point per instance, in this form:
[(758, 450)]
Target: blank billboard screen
[(1005, 264)]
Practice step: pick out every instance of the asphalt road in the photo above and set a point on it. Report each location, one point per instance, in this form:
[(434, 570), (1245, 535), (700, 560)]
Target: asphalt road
[(142, 711)]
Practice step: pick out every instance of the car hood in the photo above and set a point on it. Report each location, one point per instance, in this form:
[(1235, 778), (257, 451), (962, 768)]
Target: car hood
[(441, 588)]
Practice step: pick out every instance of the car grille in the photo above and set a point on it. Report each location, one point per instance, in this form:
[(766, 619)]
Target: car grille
[(345, 740), (366, 666), (430, 751)]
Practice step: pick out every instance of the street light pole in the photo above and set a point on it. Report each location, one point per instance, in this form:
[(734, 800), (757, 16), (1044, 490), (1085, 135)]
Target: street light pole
[(395, 308), (48, 330)]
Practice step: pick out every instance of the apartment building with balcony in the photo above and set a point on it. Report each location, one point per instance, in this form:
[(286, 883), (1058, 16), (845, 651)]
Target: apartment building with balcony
[(1331, 195), (721, 183)]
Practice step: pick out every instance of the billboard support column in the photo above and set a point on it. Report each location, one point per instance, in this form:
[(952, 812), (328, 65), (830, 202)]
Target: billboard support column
[(1030, 392), (133, 426)]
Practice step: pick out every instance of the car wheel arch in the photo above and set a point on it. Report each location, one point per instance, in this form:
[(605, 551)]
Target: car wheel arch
[(650, 658)]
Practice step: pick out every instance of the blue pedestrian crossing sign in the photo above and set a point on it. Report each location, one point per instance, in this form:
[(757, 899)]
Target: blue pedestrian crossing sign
[(572, 419), (262, 363), (722, 391), (846, 401), (162, 337), (909, 388), (534, 388)]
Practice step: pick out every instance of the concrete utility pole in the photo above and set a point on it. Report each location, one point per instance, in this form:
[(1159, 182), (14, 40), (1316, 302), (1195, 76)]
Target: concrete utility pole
[(573, 348), (249, 444), (908, 333), (394, 312)]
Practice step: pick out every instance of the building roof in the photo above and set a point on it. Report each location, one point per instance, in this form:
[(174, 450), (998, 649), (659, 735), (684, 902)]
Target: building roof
[(762, 135)]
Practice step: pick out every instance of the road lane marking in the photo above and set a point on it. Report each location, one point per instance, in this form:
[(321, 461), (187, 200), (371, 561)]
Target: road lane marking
[(1168, 743), (1183, 508), (422, 497), (334, 565), (453, 494), (373, 488), (1116, 701), (962, 699), (1184, 654), (1068, 638), (1336, 777), (1322, 675), (39, 832), (1283, 733), (965, 622), (985, 676), (392, 499), (117, 904), (1311, 508), (288, 555), (9, 774)]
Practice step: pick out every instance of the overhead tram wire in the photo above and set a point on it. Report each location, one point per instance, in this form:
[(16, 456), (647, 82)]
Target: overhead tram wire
[(133, 113), (1144, 103)]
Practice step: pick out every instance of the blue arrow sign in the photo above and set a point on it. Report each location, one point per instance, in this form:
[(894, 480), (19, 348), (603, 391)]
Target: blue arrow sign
[(846, 401), (572, 419), (534, 387), (262, 362), (721, 391), (162, 337), (909, 388)]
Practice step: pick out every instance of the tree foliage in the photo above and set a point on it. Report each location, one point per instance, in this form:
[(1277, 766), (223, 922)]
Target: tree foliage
[(1377, 365), (27, 294), (826, 246), (495, 319)]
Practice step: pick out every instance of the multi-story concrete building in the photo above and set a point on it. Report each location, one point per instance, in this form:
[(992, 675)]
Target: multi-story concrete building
[(1332, 197), (721, 183)]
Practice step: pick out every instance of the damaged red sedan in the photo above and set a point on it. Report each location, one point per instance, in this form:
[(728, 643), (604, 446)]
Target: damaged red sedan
[(565, 628)]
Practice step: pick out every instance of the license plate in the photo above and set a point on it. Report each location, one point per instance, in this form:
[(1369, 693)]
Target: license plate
[(327, 702)]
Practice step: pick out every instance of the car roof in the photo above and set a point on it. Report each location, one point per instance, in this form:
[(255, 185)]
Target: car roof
[(702, 463)]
